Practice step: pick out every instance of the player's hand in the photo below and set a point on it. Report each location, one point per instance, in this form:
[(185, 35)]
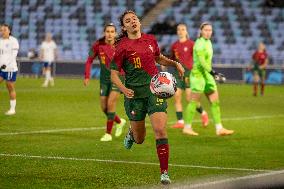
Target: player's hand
[(218, 76), (128, 92), (180, 69), (186, 80), (86, 81), (3, 67)]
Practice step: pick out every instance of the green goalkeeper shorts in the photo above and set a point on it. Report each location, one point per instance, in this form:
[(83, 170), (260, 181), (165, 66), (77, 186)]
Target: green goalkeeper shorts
[(202, 83)]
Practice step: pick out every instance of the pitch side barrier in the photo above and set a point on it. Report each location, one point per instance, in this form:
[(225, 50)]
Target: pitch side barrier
[(235, 73)]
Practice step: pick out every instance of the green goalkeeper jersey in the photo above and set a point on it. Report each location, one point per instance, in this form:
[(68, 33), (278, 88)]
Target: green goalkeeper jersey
[(202, 57)]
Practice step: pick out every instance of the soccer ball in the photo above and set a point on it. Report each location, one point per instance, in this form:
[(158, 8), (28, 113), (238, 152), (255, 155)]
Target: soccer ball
[(163, 85)]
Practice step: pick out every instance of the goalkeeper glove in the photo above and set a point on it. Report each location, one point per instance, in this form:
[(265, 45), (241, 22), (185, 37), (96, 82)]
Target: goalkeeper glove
[(218, 76)]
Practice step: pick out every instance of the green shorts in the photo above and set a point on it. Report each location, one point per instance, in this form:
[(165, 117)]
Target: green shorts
[(107, 87), (183, 83), (137, 108), (202, 84), (260, 72)]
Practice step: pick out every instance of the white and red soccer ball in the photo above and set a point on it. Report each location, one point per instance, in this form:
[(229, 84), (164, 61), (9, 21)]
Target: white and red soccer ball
[(163, 85)]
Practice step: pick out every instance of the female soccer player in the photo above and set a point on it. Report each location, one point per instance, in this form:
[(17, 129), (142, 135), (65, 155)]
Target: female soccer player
[(104, 49), (260, 61), (136, 53), (48, 54), (182, 51), (9, 47), (202, 81)]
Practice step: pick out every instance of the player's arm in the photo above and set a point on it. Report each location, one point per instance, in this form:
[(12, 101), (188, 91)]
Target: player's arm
[(92, 55), (15, 49), (117, 81), (164, 61)]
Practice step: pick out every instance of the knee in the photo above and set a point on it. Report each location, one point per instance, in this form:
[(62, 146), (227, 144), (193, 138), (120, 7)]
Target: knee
[(160, 133), (139, 141)]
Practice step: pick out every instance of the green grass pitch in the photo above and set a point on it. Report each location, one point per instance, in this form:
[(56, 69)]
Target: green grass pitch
[(258, 142)]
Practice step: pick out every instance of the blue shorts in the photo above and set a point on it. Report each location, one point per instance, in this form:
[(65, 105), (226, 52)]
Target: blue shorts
[(8, 76), (47, 64)]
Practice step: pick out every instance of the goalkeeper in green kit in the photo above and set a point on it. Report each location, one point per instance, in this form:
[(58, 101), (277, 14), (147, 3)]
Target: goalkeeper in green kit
[(202, 80)]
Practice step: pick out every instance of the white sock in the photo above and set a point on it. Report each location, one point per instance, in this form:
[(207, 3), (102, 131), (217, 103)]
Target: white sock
[(218, 126), (181, 121), (13, 105), (188, 126), (47, 75)]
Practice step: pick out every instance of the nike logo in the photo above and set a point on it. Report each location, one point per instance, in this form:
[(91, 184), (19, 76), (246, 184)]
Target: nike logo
[(133, 54)]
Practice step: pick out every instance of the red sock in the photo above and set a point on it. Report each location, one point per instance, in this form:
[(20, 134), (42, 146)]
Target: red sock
[(117, 119), (262, 88), (109, 126), (255, 86), (163, 154)]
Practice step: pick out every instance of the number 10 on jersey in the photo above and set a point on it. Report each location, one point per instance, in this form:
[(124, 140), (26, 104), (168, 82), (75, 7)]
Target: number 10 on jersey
[(137, 62)]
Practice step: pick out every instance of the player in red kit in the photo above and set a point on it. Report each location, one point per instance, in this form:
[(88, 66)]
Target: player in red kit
[(260, 61), (104, 49), (136, 53), (182, 51)]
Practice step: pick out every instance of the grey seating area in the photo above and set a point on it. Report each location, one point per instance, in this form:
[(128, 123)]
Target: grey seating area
[(238, 27), (75, 24)]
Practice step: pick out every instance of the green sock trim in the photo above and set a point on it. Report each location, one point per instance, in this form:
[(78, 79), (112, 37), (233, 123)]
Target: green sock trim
[(216, 113), (190, 112), (179, 115), (161, 141), (110, 115)]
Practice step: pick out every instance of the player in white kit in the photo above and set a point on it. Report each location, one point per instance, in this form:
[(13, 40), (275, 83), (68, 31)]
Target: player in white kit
[(9, 47), (48, 54)]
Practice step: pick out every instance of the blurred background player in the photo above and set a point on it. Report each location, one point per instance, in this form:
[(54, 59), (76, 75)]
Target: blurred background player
[(202, 81), (136, 53), (182, 51), (9, 48), (48, 54), (104, 49), (260, 61)]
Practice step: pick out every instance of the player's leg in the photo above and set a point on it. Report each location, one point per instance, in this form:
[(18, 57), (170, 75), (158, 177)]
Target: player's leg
[(111, 108), (104, 92), (10, 84), (136, 112), (197, 85), (157, 112), (178, 106), (199, 109), (262, 80), (216, 113), (255, 82), (51, 79), (47, 74)]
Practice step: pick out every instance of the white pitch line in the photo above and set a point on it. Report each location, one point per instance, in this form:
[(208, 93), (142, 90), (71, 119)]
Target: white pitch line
[(241, 118), (211, 183), (130, 162), (98, 128), (52, 131)]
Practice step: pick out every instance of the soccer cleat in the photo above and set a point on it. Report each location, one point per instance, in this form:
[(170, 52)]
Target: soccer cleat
[(107, 137), (189, 131), (119, 127), (205, 119), (178, 125), (224, 132), (10, 112), (165, 179), (128, 140)]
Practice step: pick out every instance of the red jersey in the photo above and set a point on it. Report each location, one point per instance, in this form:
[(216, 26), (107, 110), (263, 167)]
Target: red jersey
[(259, 57), (183, 53), (105, 53), (137, 57)]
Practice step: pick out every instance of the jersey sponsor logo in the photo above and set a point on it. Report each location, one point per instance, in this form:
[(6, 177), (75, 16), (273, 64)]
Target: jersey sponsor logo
[(151, 48)]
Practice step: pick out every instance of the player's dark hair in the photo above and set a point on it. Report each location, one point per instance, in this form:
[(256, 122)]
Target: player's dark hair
[(8, 26), (183, 24), (102, 39), (123, 33), (202, 26)]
